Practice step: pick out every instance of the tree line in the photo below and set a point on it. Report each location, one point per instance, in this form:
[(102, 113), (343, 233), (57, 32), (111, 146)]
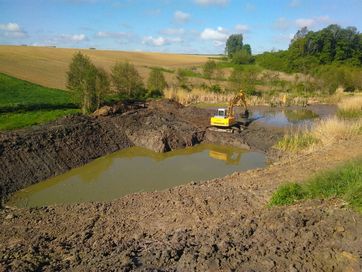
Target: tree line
[(91, 84), (332, 45)]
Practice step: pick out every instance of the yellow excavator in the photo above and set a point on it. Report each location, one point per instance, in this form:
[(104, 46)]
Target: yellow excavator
[(225, 118)]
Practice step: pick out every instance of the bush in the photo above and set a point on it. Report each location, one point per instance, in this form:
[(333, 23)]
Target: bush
[(89, 83), (127, 80), (215, 88), (156, 83)]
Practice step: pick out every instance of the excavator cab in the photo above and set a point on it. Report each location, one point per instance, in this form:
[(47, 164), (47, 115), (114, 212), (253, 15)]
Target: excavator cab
[(222, 119)]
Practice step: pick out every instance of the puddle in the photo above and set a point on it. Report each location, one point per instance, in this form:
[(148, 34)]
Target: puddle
[(137, 169)]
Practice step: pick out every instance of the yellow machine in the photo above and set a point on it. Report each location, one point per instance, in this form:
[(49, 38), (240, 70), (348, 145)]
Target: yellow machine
[(225, 118)]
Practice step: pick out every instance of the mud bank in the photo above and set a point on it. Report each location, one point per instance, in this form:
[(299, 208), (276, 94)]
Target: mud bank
[(219, 225), (32, 155)]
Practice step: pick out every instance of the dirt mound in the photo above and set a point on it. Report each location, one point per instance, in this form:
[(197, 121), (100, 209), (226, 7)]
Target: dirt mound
[(31, 155), (218, 225)]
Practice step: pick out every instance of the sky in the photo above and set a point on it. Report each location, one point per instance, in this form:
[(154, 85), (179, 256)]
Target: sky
[(188, 26)]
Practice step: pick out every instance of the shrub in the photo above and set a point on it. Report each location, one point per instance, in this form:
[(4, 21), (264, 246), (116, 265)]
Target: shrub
[(127, 80), (156, 83)]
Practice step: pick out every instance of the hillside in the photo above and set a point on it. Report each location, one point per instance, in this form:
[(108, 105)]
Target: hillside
[(48, 66)]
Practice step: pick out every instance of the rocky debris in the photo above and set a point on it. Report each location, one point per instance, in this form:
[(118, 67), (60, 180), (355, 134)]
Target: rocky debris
[(103, 111)]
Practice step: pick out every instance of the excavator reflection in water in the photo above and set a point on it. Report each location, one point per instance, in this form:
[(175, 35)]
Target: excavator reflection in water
[(228, 155), (225, 119)]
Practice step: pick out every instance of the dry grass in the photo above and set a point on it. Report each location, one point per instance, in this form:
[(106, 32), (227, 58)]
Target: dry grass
[(350, 107), (196, 96), (199, 95), (351, 103), (48, 66), (322, 133), (332, 130)]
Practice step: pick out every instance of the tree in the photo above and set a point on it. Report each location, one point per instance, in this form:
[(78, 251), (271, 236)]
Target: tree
[(81, 79), (209, 69), (243, 56), (126, 79), (156, 83), (233, 44), (102, 86)]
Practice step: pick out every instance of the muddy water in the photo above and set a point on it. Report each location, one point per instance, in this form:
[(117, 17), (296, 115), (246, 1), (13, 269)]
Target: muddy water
[(137, 170)]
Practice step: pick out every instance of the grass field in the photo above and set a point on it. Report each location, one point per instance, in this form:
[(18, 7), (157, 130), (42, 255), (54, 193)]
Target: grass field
[(48, 66), (24, 104), (344, 182)]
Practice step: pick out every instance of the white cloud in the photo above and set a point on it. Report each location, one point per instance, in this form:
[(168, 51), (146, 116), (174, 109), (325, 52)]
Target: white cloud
[(312, 22), (242, 28), (160, 41), (181, 17), (12, 27), (73, 38), (294, 3), (173, 31), (211, 2), (12, 30), (220, 34), (114, 35)]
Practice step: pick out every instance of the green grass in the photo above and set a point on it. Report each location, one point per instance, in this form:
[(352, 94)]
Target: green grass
[(16, 120), (25, 104), (349, 114), (16, 94), (344, 182), (296, 142)]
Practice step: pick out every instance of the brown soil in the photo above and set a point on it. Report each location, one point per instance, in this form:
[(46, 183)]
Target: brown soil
[(218, 225)]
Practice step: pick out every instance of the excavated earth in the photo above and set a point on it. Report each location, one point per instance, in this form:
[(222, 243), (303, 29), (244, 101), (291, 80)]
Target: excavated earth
[(218, 225), (32, 155)]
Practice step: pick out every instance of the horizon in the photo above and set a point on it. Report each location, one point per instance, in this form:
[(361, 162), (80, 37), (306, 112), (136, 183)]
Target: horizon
[(167, 26)]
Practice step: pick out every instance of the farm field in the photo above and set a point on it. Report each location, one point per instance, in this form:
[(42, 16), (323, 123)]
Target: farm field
[(47, 66), (24, 104)]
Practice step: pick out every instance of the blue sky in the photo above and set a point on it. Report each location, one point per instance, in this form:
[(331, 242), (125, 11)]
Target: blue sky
[(189, 26)]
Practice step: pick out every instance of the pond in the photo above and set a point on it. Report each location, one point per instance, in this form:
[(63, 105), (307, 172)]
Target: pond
[(287, 117), (137, 169)]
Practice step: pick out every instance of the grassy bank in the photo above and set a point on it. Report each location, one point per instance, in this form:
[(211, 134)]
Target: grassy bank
[(344, 182), (24, 104)]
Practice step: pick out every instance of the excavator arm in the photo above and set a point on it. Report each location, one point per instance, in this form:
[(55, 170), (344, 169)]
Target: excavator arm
[(235, 101)]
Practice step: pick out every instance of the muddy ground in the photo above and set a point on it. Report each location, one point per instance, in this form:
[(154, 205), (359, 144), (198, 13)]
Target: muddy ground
[(32, 155), (218, 225)]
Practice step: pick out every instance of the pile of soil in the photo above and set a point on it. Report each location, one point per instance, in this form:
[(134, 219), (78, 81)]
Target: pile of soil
[(218, 225), (32, 155)]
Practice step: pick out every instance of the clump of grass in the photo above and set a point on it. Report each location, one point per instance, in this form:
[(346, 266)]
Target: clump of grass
[(323, 132), (344, 182), (297, 141), (287, 194), (350, 107)]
